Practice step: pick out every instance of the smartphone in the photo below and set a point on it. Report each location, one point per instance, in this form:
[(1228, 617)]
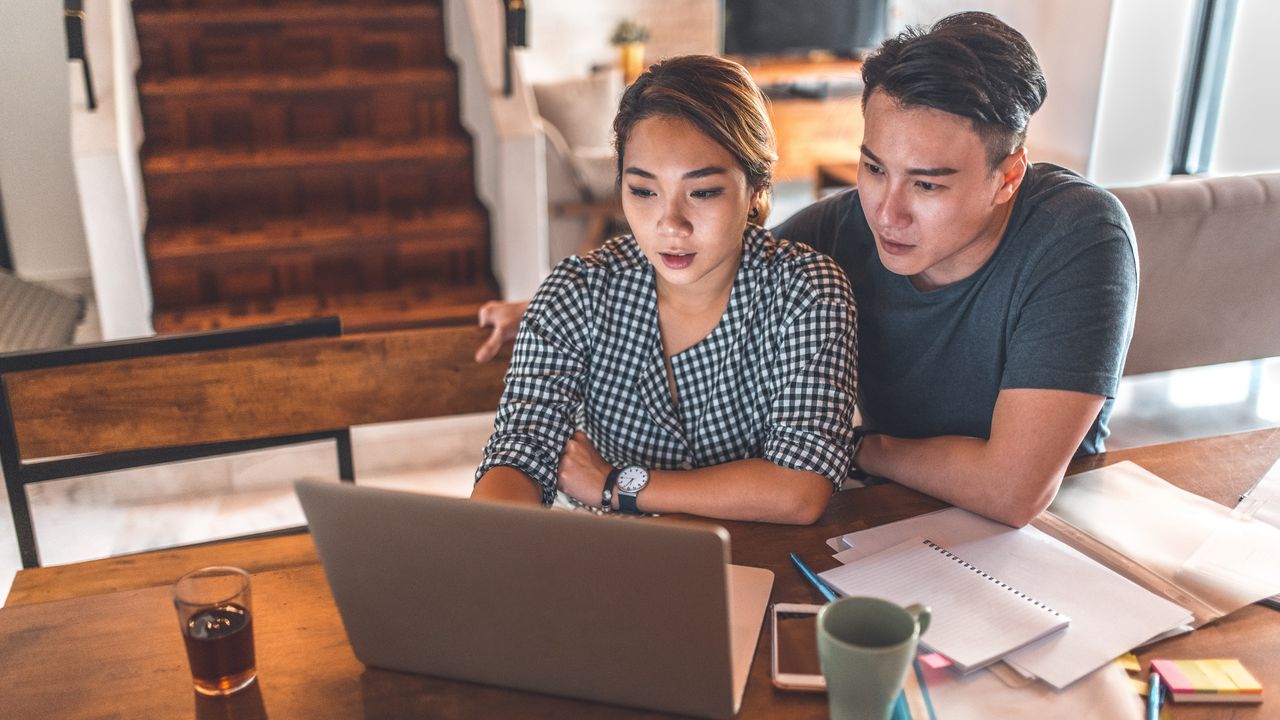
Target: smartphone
[(795, 647)]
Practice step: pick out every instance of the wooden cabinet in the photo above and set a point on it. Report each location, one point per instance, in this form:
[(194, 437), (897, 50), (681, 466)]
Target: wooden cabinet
[(812, 130)]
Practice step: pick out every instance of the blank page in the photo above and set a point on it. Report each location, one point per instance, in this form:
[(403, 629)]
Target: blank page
[(976, 618)]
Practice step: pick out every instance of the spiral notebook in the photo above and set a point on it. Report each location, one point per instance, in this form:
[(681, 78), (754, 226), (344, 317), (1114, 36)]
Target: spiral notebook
[(976, 618)]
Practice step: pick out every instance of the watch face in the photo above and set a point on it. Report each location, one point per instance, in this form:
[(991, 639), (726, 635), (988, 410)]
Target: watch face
[(633, 479)]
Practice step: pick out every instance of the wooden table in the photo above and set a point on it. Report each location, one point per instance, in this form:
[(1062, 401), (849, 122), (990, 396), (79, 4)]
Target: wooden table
[(100, 639)]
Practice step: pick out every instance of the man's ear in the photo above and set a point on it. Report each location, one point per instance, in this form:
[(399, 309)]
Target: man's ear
[(1011, 172)]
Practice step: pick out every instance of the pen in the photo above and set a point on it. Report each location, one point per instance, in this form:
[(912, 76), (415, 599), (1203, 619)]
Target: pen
[(825, 588), (1155, 695)]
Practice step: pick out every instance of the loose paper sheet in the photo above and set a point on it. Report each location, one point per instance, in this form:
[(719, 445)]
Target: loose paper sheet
[(1224, 559)]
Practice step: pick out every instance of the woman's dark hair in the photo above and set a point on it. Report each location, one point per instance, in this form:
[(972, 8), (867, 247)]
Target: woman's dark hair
[(969, 64), (719, 97)]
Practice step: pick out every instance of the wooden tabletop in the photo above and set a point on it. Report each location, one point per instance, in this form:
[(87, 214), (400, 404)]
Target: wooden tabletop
[(128, 654)]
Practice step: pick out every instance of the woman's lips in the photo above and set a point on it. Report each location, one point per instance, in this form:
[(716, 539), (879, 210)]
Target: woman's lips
[(677, 261)]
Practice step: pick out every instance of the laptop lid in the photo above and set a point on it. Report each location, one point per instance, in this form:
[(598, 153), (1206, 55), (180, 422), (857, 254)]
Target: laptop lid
[(625, 611)]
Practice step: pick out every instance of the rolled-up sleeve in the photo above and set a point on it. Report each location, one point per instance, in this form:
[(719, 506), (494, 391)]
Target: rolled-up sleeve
[(544, 382), (815, 382)]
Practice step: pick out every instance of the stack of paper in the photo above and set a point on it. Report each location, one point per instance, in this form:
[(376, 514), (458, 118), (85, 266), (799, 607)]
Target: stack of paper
[(1202, 555), (976, 618), (1109, 614)]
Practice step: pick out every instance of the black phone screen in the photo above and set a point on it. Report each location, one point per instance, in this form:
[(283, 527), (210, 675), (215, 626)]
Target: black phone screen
[(797, 643)]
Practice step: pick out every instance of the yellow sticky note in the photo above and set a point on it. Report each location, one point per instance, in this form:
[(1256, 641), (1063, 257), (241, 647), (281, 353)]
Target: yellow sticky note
[(1129, 662), (1242, 678), (1139, 686)]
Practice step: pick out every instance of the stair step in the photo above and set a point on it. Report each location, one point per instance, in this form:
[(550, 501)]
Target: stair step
[(262, 110), (188, 87), (336, 155), (462, 226), (198, 265), (292, 13), (170, 5), (291, 38), (414, 306)]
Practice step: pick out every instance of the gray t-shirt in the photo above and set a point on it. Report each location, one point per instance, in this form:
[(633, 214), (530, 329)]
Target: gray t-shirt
[(1052, 308)]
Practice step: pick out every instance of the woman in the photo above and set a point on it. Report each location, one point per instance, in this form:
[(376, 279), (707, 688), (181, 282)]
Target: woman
[(700, 365)]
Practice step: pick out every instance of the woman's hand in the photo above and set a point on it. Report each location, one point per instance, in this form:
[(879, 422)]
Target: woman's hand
[(504, 317), (582, 470)]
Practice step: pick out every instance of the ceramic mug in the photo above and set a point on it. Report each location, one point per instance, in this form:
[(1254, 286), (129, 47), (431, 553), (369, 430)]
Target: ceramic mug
[(865, 646)]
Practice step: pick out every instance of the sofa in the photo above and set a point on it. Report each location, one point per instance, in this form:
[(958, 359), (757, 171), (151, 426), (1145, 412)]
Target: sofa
[(1209, 271)]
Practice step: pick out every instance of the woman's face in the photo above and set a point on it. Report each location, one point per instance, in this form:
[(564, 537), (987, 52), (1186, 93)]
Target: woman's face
[(686, 199)]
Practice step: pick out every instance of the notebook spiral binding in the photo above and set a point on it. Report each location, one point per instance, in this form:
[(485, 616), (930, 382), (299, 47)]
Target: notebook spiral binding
[(991, 578)]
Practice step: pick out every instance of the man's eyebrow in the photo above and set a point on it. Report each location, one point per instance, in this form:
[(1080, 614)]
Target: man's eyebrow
[(926, 172), (691, 175)]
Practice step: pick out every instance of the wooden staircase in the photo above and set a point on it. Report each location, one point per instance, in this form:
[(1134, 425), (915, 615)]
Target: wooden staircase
[(305, 158)]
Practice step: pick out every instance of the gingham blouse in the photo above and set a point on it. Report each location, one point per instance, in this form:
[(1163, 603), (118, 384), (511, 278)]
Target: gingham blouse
[(775, 379)]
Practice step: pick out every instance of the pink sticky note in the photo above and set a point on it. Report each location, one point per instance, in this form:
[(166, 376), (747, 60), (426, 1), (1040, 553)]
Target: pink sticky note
[(935, 661)]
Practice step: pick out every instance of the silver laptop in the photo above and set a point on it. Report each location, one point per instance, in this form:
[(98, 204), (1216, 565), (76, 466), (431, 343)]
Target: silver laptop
[(643, 613)]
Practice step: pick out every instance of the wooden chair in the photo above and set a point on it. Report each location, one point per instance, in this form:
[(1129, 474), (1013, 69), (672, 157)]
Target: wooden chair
[(129, 404)]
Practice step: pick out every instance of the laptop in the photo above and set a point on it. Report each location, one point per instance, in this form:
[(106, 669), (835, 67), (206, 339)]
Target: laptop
[(637, 612)]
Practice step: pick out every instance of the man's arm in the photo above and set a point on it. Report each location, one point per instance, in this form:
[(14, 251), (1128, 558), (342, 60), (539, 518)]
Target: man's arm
[(504, 317), (1013, 476)]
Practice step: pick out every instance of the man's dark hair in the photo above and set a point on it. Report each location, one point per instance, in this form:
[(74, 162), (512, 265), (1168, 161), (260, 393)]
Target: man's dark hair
[(969, 64)]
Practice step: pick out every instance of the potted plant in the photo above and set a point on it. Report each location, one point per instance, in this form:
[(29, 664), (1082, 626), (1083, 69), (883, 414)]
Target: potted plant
[(629, 37)]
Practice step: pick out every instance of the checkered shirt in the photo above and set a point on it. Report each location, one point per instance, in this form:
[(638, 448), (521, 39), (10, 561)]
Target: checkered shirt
[(775, 379)]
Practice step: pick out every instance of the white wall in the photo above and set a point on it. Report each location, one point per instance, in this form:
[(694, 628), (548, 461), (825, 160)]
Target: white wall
[(567, 37), (509, 151), (105, 154), (1247, 140), (1069, 37), (41, 202), (1141, 90)]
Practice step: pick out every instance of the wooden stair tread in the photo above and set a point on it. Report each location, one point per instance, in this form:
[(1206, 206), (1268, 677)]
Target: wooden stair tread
[(159, 20), (340, 78), (283, 235), (414, 306), (345, 152)]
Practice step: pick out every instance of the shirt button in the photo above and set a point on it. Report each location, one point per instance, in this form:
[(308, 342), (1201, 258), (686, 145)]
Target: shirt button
[(686, 465)]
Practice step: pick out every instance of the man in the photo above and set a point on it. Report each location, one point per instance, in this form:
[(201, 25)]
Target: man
[(995, 297)]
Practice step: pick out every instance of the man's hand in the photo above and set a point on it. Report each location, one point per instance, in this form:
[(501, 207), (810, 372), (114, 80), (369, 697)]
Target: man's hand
[(582, 470), (504, 317)]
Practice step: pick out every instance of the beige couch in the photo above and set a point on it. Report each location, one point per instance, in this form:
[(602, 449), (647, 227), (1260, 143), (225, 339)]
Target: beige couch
[(1209, 267)]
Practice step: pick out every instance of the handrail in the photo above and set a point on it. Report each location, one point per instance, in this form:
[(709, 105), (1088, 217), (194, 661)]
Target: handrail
[(76, 48), (515, 13)]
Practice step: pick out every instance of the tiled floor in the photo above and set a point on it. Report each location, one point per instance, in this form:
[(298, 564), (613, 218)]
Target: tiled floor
[(83, 518)]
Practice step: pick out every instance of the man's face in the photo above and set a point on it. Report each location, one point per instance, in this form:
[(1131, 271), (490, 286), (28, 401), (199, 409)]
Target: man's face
[(934, 204)]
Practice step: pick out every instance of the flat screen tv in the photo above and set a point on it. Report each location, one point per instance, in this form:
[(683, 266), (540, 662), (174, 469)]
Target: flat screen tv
[(844, 28)]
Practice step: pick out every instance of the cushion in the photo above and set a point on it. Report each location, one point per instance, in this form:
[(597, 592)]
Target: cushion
[(582, 109)]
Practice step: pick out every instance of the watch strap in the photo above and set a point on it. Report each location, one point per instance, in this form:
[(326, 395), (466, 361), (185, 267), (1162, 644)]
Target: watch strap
[(606, 496), (627, 503)]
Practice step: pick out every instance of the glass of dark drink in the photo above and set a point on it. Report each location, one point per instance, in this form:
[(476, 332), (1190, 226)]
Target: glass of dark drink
[(216, 615)]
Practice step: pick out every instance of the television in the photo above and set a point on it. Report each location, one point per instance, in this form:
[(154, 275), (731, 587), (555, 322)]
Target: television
[(774, 28)]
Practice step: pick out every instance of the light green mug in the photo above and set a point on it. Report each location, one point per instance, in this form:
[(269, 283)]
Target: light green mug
[(865, 646)]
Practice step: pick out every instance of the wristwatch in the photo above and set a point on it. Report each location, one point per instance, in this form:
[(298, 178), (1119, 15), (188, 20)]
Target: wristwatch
[(860, 434), (606, 496), (631, 480)]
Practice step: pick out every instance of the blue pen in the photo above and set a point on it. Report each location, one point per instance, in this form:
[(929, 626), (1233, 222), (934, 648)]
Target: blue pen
[(830, 592), (1155, 695)]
